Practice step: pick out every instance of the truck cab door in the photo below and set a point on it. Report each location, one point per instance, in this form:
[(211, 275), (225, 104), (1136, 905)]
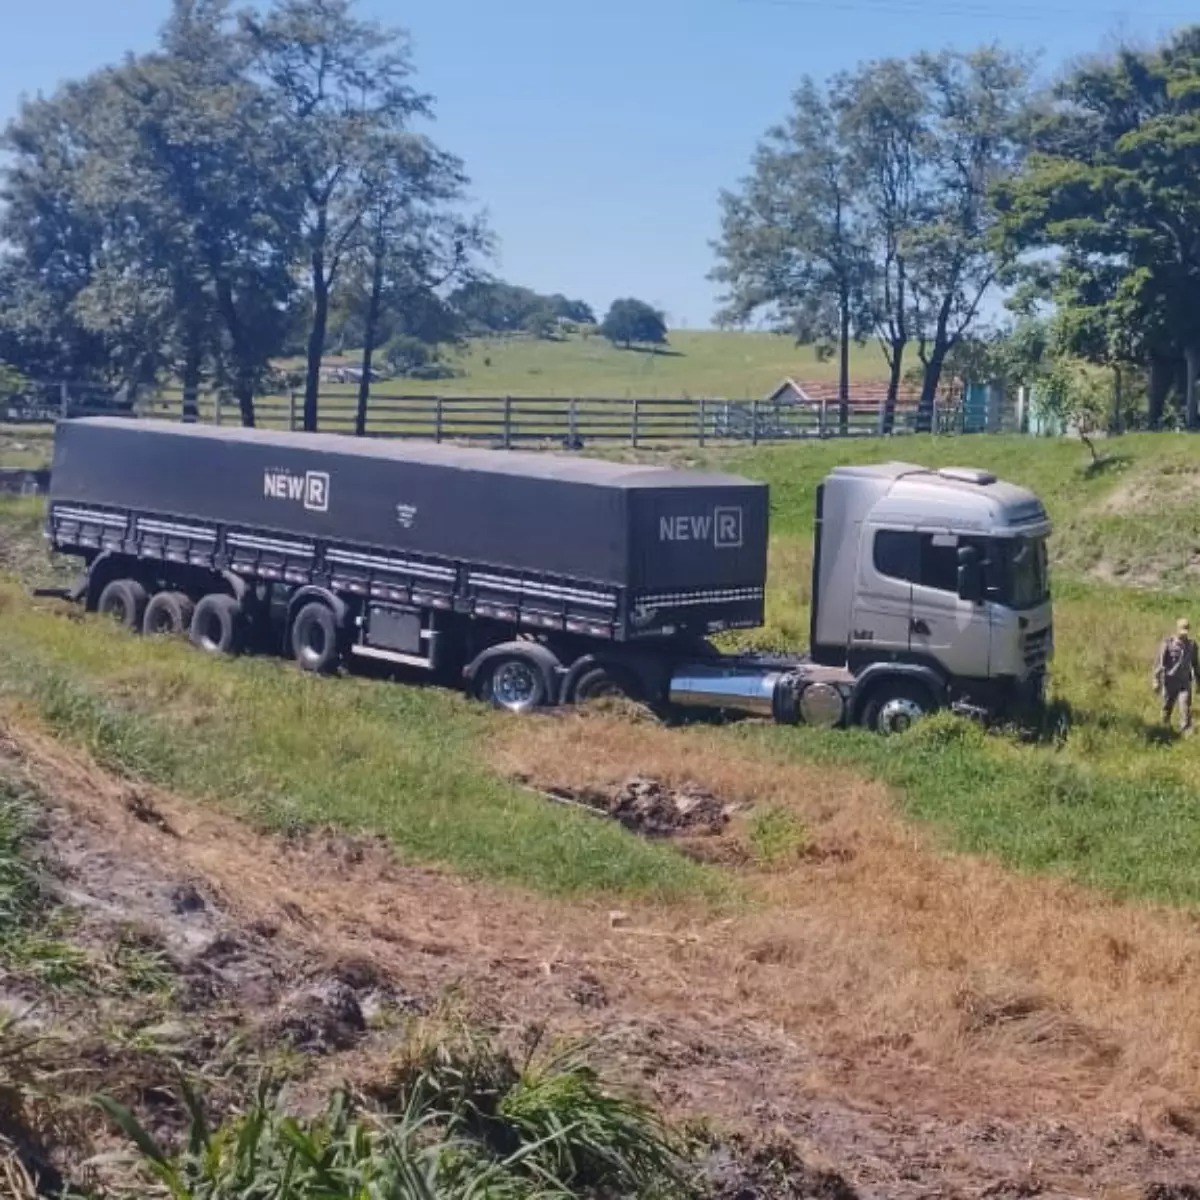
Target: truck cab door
[(882, 609), (954, 633)]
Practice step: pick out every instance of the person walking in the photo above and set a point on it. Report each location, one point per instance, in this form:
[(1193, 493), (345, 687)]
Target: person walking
[(1175, 672)]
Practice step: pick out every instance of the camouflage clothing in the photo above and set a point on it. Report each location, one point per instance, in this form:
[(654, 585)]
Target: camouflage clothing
[(1175, 671)]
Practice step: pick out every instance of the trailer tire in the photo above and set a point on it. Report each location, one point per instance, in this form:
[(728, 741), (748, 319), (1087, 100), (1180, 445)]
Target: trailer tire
[(169, 614), (218, 626), (316, 645), (512, 682), (894, 706), (603, 682), (123, 601)]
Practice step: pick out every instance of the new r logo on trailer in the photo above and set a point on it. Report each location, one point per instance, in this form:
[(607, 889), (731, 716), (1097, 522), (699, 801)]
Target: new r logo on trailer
[(723, 528), (310, 489)]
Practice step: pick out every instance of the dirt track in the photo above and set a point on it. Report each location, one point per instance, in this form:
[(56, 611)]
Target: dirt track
[(688, 1005)]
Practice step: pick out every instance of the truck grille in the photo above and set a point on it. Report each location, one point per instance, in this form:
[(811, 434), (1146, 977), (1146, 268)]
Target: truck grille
[(1035, 648)]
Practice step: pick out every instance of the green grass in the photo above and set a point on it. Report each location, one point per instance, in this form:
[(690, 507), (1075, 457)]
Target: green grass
[(288, 752), (25, 446), (32, 945), (1107, 799), (696, 363)]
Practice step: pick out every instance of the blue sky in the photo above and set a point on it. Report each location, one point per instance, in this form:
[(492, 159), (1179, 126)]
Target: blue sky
[(598, 134)]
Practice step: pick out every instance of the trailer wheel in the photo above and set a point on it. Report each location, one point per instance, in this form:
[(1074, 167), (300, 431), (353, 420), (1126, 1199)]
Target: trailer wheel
[(603, 682), (217, 625), (123, 601), (315, 642), (513, 683), (894, 707), (169, 614)]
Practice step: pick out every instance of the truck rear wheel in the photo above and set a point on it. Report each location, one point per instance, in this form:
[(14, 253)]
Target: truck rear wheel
[(169, 614), (315, 642), (513, 683), (603, 682), (123, 601), (894, 707), (217, 625)]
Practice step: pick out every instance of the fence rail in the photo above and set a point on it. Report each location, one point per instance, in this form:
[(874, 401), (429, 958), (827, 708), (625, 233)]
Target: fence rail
[(529, 420)]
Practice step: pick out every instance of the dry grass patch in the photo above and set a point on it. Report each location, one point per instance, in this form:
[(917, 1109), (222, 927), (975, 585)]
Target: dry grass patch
[(886, 949)]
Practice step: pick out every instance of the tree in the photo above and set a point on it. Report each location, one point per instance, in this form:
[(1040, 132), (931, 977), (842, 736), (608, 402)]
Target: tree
[(791, 241), (170, 242), (541, 323), (409, 245), (978, 109), (881, 112), (337, 86), (1110, 187), (52, 239), (578, 312), (632, 321), (1074, 394)]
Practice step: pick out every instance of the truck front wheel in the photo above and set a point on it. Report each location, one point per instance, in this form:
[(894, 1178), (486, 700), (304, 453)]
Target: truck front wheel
[(218, 626), (123, 601), (894, 707), (315, 642), (513, 683)]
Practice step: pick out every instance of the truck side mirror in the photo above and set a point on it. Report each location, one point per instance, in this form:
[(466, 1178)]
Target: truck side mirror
[(970, 575)]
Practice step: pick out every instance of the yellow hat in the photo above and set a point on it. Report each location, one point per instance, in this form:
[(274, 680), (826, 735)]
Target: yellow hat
[(1183, 625)]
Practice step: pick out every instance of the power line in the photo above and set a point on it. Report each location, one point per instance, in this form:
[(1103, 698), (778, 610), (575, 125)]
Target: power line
[(957, 8)]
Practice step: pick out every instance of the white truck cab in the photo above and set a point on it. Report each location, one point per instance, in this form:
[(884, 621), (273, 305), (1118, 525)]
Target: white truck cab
[(940, 572)]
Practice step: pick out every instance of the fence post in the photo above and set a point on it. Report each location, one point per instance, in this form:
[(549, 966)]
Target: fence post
[(754, 422), (573, 423), (64, 399), (437, 419), (703, 419), (217, 399), (508, 422), (823, 417), (291, 410), (636, 415)]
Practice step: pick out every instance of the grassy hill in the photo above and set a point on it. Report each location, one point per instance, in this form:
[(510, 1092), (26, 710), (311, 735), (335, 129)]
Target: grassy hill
[(708, 363)]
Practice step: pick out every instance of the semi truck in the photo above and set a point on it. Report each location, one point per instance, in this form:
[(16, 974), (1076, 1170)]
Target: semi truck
[(534, 579)]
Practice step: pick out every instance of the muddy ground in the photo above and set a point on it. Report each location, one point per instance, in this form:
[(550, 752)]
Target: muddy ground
[(320, 949)]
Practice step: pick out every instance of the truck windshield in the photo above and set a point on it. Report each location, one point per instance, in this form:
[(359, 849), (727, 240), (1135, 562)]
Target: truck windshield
[(1024, 576)]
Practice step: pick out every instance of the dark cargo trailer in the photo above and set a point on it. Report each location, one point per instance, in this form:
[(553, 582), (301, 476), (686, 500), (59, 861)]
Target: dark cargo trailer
[(547, 542)]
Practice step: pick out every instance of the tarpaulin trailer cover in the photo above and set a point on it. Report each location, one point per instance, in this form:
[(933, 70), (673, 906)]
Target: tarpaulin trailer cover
[(623, 525)]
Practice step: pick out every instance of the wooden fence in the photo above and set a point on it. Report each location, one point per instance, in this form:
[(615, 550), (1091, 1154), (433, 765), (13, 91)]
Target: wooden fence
[(521, 420)]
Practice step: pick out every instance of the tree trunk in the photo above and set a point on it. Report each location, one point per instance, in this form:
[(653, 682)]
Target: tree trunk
[(370, 326), (930, 384), (243, 365), (1160, 386), (1191, 355), (844, 364), (895, 374), (1116, 423), (316, 342), (192, 363)]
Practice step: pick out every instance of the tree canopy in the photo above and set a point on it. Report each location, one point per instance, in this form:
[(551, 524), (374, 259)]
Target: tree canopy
[(630, 322), (180, 213), (868, 210), (1110, 191)]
